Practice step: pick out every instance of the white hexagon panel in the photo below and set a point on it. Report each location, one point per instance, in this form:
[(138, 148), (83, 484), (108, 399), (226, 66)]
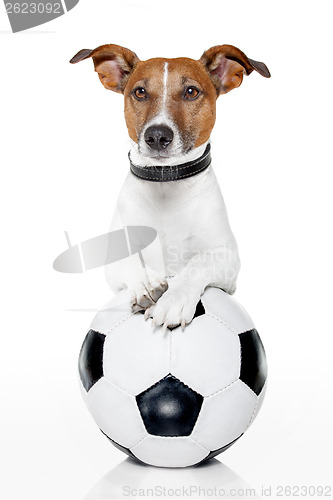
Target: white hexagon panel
[(225, 416), (169, 451), (219, 303), (206, 355), (135, 355), (116, 413)]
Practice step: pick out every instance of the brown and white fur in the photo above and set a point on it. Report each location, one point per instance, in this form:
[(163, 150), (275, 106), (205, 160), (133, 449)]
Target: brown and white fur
[(195, 244)]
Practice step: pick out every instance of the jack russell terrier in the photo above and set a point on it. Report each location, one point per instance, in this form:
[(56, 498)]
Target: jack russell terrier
[(170, 108)]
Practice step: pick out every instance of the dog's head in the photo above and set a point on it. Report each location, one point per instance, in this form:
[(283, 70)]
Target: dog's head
[(170, 104)]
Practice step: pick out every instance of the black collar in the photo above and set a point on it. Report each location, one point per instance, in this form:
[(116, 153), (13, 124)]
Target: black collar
[(173, 172)]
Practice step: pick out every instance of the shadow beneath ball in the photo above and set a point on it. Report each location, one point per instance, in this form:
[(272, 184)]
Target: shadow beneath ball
[(131, 479)]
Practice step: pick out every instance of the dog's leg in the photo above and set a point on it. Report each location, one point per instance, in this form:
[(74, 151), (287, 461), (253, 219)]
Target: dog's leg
[(140, 273), (218, 267), (145, 285)]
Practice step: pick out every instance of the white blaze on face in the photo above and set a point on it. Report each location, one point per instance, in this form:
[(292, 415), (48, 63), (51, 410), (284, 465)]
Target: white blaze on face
[(165, 83), (162, 117)]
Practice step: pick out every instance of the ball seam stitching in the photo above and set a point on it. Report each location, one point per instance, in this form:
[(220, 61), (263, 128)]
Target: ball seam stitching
[(223, 322)]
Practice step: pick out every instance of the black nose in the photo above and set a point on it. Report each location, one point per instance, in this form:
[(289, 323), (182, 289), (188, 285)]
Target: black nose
[(158, 137)]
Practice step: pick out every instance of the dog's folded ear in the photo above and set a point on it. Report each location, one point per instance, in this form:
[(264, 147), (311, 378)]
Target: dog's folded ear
[(113, 63), (227, 65)]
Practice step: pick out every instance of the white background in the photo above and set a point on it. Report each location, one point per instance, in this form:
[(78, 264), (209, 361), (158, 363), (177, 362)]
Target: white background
[(63, 159)]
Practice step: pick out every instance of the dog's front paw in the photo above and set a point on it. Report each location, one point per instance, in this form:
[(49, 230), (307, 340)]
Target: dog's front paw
[(176, 307), (144, 294)]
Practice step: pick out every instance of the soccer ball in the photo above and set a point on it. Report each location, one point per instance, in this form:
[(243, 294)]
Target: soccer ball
[(174, 398)]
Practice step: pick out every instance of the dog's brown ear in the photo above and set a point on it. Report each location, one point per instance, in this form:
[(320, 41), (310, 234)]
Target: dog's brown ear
[(227, 65), (113, 63)]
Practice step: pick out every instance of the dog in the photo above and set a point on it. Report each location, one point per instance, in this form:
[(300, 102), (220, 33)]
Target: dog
[(170, 109)]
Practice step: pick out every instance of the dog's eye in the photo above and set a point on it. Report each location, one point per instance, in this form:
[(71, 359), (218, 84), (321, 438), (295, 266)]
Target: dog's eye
[(191, 93), (140, 93)]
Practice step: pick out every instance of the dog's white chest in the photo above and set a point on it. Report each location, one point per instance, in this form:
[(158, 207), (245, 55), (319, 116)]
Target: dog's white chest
[(189, 216)]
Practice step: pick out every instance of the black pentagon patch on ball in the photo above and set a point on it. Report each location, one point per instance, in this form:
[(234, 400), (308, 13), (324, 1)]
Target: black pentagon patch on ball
[(91, 359), (169, 408), (199, 310), (253, 361)]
